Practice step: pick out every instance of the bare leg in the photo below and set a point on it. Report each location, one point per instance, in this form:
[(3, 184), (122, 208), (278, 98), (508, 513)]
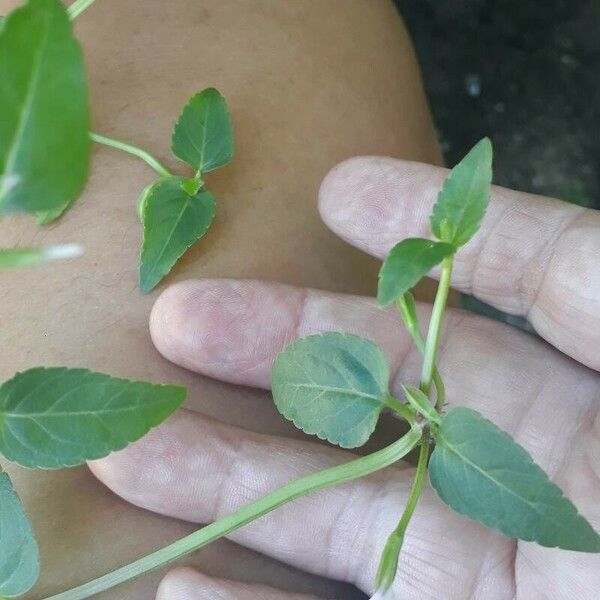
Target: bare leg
[(309, 83)]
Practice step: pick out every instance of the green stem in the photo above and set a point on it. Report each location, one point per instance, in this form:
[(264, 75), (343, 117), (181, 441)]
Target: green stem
[(388, 564), (435, 327), (403, 410), (78, 7), (389, 559), (412, 326), (316, 481), (145, 156)]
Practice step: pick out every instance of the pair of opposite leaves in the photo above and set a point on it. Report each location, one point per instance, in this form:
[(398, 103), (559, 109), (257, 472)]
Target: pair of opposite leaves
[(45, 140), (335, 386)]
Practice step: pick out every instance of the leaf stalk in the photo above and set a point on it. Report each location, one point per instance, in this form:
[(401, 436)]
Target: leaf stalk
[(435, 328), (134, 150), (388, 564), (343, 473)]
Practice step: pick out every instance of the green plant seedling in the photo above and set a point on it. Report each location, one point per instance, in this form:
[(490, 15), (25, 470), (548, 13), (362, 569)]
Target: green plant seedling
[(336, 385), (332, 385), (176, 212)]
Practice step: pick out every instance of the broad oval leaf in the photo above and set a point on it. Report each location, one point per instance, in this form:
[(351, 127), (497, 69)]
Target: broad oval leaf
[(332, 385), (19, 554), (406, 264), (481, 472), (59, 417), (203, 135), (44, 129), (464, 197), (173, 220)]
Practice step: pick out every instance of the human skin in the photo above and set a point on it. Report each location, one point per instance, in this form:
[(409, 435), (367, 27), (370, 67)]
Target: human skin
[(534, 256), (309, 83)]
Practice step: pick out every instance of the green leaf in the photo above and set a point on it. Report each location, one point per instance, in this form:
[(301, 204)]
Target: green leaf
[(406, 264), (421, 403), (141, 203), (47, 216), (465, 194), (27, 257), (332, 385), (58, 417), (19, 555), (203, 135), (481, 472), (173, 220), (44, 129)]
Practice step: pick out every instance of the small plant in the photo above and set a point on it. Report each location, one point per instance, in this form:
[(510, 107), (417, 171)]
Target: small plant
[(333, 385), (45, 142), (336, 385), (56, 417)]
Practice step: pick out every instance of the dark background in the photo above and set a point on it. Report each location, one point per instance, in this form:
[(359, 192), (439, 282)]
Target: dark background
[(524, 72)]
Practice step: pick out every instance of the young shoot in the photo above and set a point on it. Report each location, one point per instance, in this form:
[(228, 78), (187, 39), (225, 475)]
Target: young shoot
[(336, 385), (333, 385)]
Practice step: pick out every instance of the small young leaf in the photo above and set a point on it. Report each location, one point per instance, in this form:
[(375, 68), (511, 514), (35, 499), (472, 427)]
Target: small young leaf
[(58, 417), (19, 555), (406, 264), (421, 403), (203, 135), (44, 129), (27, 257), (173, 220), (465, 194), (481, 472), (332, 385)]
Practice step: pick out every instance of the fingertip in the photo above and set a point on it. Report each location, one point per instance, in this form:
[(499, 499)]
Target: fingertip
[(170, 317), (126, 472), (182, 583), (345, 192), (374, 201), (225, 328)]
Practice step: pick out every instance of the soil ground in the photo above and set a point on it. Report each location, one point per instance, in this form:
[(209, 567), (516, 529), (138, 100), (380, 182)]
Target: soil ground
[(525, 73)]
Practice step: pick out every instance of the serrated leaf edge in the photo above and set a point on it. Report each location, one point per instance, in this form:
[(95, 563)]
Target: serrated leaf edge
[(319, 433), (531, 462), (67, 464)]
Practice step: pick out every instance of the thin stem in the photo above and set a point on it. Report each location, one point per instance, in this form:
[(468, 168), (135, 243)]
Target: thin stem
[(388, 564), (316, 481), (78, 7), (403, 410), (389, 559), (435, 327), (145, 156), (412, 326)]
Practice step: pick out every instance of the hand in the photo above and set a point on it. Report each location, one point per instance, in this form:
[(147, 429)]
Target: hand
[(533, 256)]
